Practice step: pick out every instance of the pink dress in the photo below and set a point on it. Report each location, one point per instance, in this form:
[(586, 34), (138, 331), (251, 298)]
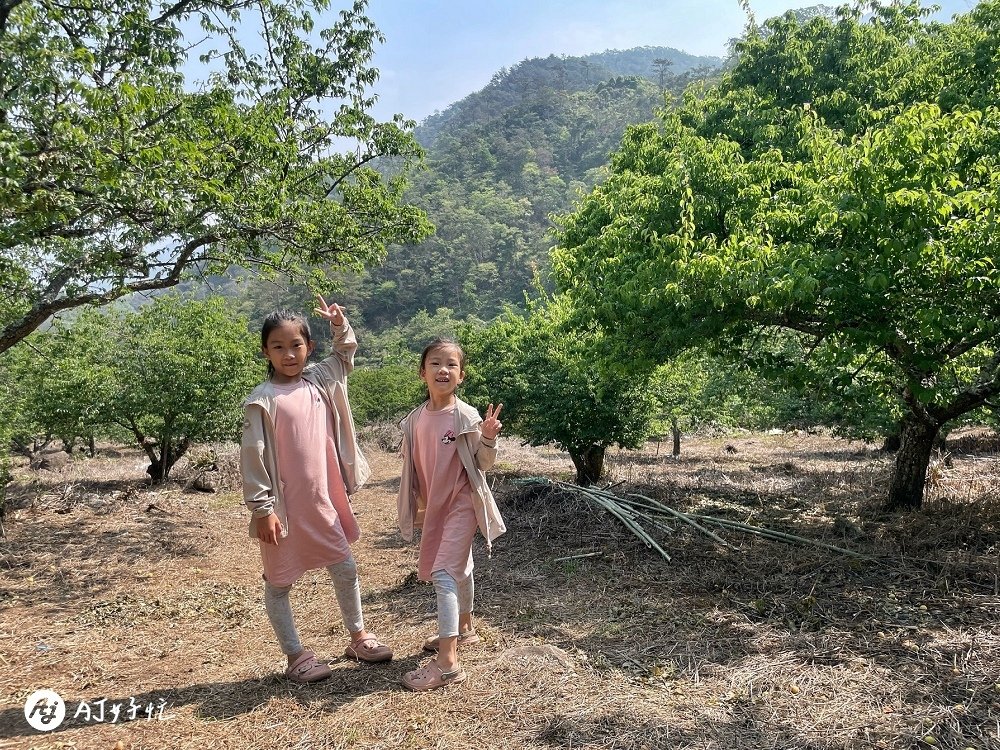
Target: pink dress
[(312, 488), (449, 519)]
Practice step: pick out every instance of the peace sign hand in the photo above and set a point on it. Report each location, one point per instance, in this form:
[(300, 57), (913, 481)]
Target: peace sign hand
[(332, 312), (491, 424)]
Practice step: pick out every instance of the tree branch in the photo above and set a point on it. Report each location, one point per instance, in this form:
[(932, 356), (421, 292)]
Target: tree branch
[(6, 6), (977, 395), (50, 303)]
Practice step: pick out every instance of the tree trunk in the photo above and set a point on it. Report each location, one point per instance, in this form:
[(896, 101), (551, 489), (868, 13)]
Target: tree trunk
[(25, 450), (170, 453), (890, 444), (676, 432), (909, 475), (589, 464)]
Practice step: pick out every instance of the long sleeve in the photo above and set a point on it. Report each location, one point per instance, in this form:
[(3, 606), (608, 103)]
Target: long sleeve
[(258, 492), (484, 450)]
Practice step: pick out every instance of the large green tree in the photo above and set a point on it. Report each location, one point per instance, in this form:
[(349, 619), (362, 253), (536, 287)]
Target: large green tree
[(119, 173), (840, 184), (555, 385), (181, 371)]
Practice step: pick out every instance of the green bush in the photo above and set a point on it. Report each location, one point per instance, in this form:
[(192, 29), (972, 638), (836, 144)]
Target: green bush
[(381, 394)]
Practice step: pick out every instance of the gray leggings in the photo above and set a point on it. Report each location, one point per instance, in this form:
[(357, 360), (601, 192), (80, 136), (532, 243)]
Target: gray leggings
[(453, 597), (279, 610)]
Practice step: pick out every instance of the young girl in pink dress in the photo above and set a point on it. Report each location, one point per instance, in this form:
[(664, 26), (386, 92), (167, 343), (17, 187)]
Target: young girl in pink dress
[(299, 462), (447, 450)]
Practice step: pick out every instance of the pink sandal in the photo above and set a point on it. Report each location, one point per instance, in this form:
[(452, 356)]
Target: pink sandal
[(368, 649), (307, 668), (431, 676), (468, 638)]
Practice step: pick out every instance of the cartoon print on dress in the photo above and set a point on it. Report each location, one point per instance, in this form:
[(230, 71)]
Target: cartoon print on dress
[(449, 437)]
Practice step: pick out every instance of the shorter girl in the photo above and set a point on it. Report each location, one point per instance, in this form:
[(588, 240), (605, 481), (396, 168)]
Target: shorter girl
[(299, 462), (446, 450)]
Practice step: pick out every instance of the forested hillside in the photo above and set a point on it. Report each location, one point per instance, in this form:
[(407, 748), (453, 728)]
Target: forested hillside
[(498, 163), (555, 74)]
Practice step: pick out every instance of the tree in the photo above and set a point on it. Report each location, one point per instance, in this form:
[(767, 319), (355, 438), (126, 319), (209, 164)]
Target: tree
[(385, 393), (64, 378), (15, 429), (661, 65), (823, 190), (679, 389), (173, 373), (554, 386), (181, 372), (118, 175)]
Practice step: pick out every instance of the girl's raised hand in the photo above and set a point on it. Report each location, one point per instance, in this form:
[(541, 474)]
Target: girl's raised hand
[(333, 312), (491, 425)]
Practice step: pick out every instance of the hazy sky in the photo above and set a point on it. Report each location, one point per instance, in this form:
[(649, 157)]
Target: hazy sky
[(439, 51)]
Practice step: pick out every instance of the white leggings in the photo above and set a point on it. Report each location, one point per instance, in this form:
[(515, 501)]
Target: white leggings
[(279, 610), (453, 597)]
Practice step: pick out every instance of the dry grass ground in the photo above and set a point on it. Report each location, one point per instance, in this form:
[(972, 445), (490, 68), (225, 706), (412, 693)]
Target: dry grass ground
[(112, 590)]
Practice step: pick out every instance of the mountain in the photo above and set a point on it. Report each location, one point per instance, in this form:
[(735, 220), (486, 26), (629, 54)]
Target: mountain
[(560, 74), (641, 61), (499, 163)]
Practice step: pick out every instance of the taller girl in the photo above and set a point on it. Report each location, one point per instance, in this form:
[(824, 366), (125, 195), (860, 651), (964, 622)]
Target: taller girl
[(447, 448), (299, 461)]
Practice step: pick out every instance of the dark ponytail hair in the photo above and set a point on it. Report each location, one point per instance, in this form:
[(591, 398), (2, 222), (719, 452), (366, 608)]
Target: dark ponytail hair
[(278, 318)]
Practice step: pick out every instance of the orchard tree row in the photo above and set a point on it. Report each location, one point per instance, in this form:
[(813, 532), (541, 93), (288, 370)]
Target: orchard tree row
[(813, 237), (164, 378), (175, 372)]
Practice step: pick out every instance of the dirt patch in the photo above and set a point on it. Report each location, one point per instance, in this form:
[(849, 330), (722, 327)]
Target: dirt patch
[(151, 598)]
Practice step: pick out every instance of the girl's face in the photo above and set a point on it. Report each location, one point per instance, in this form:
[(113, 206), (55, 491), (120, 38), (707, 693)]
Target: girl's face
[(442, 371), (288, 351)]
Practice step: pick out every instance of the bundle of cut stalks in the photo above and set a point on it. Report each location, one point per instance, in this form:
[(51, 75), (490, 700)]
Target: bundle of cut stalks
[(639, 513)]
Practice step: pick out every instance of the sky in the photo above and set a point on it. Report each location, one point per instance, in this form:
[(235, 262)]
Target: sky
[(439, 51)]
